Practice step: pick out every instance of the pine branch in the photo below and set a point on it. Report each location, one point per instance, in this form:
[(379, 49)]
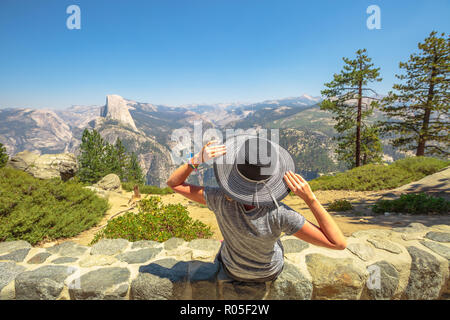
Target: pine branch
[(439, 149)]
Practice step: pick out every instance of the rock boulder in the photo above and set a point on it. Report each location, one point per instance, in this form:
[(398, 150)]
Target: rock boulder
[(110, 182), (46, 166)]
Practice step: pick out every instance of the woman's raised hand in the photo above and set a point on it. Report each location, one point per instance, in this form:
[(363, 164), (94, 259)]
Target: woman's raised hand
[(209, 151), (299, 186)]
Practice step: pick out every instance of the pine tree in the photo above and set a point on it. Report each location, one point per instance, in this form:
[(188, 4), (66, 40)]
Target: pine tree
[(110, 160), (3, 156), (116, 158), (134, 171), (92, 166), (347, 87), (371, 147), (99, 158), (418, 109), (122, 158)]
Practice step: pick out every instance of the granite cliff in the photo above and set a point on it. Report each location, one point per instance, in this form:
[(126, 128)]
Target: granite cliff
[(117, 108)]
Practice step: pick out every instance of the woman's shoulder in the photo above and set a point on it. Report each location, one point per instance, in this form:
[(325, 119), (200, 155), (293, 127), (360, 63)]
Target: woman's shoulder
[(281, 209)]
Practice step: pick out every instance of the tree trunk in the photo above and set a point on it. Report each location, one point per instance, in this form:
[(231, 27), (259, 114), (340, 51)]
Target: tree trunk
[(426, 117), (358, 127)]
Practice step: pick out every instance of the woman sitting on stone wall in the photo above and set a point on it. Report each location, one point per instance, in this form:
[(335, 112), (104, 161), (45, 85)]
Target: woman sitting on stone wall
[(247, 206)]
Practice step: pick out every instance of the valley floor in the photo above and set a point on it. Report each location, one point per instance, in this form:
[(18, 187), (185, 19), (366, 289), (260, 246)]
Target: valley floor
[(358, 219)]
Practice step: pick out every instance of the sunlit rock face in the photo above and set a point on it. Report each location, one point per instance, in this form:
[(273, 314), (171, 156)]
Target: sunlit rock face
[(31, 129), (46, 166), (117, 108)]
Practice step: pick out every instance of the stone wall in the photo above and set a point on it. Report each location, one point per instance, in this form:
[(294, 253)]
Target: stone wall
[(402, 263)]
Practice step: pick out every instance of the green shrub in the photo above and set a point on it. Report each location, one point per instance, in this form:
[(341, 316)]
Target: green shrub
[(374, 177), (340, 205), (34, 210), (414, 203), (155, 221), (145, 189), (420, 167)]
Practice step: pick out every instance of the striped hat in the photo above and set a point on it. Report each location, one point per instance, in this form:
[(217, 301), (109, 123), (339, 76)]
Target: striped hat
[(252, 170)]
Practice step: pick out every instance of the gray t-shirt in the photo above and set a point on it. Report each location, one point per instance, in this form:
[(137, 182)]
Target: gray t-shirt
[(251, 247)]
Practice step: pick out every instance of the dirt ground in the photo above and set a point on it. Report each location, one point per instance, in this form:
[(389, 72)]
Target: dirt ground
[(359, 218)]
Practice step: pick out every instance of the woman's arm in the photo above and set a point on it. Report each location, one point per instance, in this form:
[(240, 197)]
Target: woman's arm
[(177, 184), (177, 179), (328, 233)]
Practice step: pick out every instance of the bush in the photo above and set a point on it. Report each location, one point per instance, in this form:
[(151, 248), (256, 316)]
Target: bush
[(35, 210), (340, 205), (420, 167), (414, 203), (145, 189), (155, 221), (374, 177)]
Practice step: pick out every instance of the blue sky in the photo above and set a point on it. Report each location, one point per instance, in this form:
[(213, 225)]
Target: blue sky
[(198, 51)]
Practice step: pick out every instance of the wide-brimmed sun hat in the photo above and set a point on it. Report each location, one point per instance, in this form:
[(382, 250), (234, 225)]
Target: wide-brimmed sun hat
[(252, 170)]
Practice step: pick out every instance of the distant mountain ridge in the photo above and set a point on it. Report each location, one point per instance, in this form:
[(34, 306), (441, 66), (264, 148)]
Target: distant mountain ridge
[(144, 128), (32, 129)]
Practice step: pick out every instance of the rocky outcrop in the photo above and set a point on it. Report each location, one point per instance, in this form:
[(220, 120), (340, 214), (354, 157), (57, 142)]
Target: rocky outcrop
[(110, 182), (46, 166), (176, 269), (116, 108), (23, 160), (28, 129)]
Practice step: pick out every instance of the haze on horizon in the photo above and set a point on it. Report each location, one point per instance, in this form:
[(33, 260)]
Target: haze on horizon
[(198, 52)]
